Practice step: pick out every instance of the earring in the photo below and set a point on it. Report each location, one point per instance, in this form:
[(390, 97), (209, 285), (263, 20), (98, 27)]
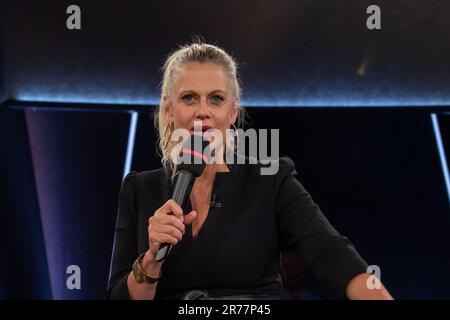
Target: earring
[(232, 138), (166, 138)]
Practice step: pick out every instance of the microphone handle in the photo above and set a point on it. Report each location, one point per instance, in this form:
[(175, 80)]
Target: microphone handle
[(181, 193)]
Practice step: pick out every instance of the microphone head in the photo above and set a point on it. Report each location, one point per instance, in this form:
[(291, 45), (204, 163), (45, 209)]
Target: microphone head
[(192, 156)]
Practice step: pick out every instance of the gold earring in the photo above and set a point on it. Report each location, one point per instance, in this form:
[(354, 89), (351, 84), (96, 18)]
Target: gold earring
[(166, 138), (233, 143)]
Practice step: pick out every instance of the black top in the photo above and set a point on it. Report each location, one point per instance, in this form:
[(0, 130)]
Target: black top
[(237, 249)]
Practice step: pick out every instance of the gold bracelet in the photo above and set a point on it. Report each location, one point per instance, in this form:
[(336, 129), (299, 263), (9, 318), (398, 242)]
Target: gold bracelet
[(139, 273)]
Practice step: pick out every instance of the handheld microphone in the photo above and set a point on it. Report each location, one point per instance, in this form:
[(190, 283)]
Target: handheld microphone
[(192, 160)]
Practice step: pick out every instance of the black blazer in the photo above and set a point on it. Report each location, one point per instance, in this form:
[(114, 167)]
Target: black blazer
[(237, 250)]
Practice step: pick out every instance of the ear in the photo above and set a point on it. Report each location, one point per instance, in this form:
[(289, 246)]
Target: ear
[(234, 113), (167, 110)]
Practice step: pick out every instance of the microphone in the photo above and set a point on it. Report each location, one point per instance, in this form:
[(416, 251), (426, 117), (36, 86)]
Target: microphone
[(192, 160)]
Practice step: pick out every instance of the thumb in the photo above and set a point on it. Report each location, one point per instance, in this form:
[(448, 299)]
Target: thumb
[(190, 217)]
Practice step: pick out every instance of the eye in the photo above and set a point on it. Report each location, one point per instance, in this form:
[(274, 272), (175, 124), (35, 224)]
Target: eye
[(188, 98), (217, 99)]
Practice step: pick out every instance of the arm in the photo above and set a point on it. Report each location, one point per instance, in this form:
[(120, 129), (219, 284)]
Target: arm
[(144, 291), (162, 228), (125, 243), (357, 289), (167, 225), (331, 257), (122, 283)]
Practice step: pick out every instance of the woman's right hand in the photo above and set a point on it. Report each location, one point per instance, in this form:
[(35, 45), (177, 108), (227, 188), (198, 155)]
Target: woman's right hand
[(167, 225)]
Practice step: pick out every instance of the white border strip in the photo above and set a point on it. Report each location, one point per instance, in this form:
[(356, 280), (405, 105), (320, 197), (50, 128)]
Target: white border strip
[(440, 146), (130, 146)]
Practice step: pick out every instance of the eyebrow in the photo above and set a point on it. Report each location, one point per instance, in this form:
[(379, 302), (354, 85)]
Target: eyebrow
[(212, 92)]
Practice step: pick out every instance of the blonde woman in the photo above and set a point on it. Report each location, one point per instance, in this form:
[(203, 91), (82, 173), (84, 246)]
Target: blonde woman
[(229, 251)]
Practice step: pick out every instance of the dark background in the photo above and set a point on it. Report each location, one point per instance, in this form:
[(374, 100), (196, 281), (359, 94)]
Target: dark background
[(354, 108)]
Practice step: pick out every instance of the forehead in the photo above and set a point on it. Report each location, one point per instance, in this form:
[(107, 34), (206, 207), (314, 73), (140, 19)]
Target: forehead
[(200, 77)]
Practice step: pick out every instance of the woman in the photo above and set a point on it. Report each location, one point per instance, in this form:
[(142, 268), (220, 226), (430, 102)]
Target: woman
[(231, 250)]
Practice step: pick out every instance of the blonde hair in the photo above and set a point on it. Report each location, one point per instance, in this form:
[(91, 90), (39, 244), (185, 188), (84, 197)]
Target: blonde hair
[(195, 52)]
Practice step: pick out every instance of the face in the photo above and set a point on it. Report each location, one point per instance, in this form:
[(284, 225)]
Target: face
[(201, 92)]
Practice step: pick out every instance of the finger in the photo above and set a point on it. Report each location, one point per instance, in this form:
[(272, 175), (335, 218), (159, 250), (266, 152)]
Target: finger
[(170, 230), (170, 220), (165, 238), (161, 225), (170, 207), (190, 217), (175, 208)]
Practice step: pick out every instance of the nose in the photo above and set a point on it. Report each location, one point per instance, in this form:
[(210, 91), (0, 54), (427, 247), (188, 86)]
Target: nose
[(202, 110)]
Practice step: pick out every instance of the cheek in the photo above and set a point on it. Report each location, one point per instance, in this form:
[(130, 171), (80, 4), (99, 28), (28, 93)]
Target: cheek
[(182, 116), (223, 125), (223, 118)]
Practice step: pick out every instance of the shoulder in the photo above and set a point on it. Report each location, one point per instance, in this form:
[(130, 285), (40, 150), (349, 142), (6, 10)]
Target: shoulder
[(145, 190), (138, 180), (134, 176), (270, 175), (275, 169), (286, 166)]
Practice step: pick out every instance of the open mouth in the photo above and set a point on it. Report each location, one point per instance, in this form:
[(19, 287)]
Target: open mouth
[(199, 129)]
